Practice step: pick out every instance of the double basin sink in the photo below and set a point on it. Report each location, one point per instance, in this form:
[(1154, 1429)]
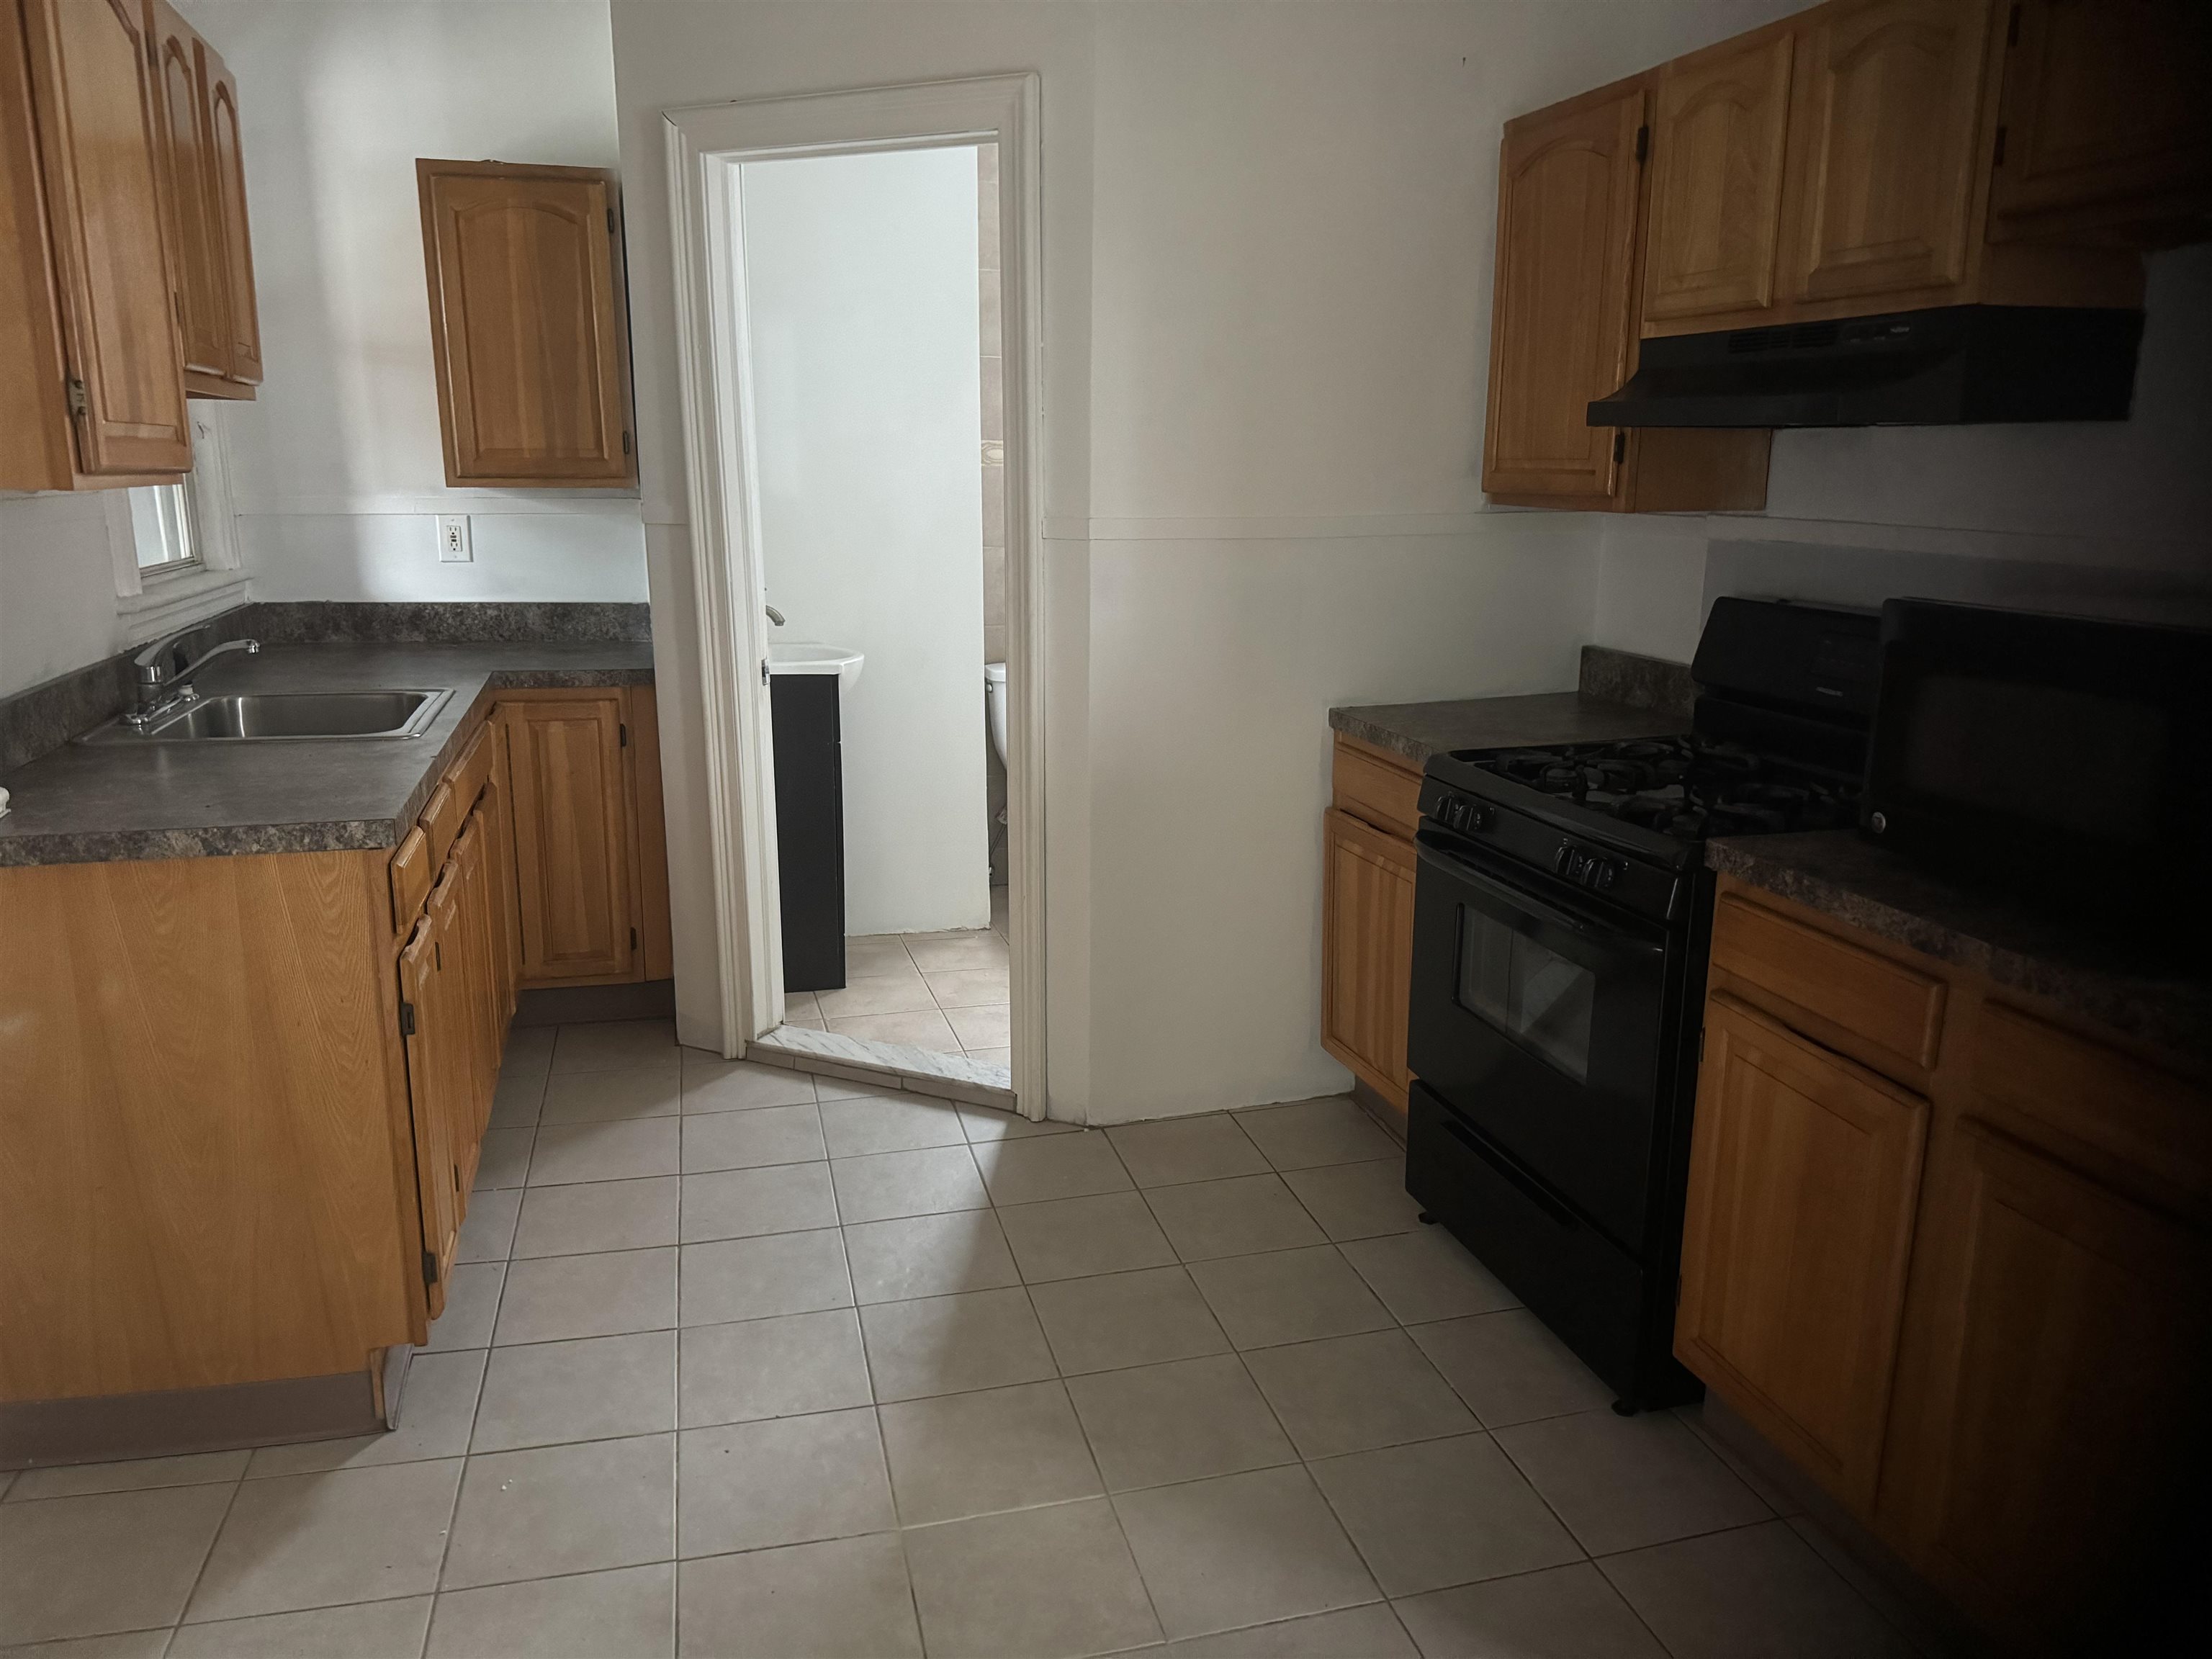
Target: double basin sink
[(274, 716)]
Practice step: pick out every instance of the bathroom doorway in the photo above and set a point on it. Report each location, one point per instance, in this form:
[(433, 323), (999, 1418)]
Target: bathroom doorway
[(860, 419), (874, 357)]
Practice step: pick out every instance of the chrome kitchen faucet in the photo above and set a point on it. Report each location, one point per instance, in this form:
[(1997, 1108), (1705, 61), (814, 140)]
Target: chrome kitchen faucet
[(162, 689)]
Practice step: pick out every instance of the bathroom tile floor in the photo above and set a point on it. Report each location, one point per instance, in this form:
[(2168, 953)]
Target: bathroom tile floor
[(946, 992), (740, 1362)]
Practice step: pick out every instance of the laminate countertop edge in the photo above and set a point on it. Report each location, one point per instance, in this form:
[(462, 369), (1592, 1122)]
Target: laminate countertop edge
[(1838, 873), (85, 804)]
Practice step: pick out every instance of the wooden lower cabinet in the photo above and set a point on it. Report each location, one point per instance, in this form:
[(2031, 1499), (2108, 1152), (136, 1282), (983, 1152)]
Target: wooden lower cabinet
[(1988, 1353), (2042, 1452), (1804, 1172), (206, 1166), (575, 884), (1367, 916)]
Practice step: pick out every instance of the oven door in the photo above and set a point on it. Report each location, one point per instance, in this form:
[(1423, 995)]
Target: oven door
[(1538, 1019)]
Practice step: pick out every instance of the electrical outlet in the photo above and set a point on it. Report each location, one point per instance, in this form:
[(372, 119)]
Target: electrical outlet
[(454, 539)]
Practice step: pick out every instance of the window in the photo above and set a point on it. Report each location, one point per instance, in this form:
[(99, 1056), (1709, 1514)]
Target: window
[(164, 525), (175, 546)]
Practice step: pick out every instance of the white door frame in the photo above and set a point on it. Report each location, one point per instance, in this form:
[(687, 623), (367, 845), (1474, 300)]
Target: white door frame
[(706, 145)]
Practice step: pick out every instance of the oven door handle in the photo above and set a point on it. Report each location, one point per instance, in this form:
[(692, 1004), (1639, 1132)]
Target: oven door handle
[(1614, 937)]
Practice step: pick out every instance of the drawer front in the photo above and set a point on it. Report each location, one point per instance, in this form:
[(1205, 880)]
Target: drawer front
[(472, 770), (2146, 1117), (1369, 787), (1896, 1012), (410, 881), (441, 821)]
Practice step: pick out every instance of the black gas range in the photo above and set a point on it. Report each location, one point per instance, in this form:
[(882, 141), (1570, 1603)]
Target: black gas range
[(1561, 912)]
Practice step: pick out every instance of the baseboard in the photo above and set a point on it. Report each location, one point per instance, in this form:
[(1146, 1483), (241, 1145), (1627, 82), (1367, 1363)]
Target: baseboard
[(579, 1005), (107, 1427)]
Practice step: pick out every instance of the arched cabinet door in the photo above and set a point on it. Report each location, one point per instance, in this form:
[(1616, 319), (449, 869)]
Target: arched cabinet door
[(1563, 310), (91, 86), (1717, 132), (235, 249), (1887, 171), (527, 324)]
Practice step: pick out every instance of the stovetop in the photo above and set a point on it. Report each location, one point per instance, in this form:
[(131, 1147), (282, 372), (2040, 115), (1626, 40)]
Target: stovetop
[(1687, 787)]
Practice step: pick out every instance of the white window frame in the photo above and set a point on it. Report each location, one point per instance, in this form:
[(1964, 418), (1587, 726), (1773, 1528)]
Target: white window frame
[(156, 599)]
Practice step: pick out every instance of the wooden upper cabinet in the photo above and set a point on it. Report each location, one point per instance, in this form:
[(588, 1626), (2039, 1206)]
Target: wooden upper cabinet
[(2042, 1444), (1804, 1174), (570, 811), (1563, 312), (235, 248), (527, 322), (1717, 131), (186, 150), (1886, 161), (2107, 123), (95, 177)]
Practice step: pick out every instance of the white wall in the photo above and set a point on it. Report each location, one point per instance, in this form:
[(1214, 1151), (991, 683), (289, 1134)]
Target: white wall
[(58, 610), (863, 303), (1267, 260), (337, 466)]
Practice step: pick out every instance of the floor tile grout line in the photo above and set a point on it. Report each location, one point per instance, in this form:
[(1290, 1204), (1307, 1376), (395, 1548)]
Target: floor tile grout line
[(199, 1576)]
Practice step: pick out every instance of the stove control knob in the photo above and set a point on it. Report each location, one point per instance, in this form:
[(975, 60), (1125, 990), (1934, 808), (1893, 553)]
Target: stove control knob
[(1605, 872), (1562, 859)]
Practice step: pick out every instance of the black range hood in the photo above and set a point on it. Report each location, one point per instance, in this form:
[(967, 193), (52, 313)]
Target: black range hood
[(1952, 366)]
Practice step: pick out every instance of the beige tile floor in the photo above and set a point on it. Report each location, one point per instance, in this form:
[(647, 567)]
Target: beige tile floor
[(738, 1363), (944, 992)]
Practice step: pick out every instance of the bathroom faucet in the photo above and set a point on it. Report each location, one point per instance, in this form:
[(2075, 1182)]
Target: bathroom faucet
[(161, 688)]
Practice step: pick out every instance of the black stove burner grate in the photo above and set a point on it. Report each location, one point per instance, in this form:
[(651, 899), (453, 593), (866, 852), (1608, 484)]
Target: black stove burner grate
[(1688, 787)]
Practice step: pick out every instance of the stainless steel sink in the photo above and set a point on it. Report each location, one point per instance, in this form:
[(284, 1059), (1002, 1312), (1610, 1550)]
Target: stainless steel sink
[(275, 716)]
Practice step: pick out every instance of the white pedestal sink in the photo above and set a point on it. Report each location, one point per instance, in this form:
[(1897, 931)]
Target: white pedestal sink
[(801, 657)]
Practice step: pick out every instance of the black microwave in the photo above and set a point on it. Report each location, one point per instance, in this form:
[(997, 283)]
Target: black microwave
[(2067, 760)]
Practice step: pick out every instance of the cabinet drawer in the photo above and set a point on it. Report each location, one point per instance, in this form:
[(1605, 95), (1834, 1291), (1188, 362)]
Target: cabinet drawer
[(441, 820), (2148, 1118), (410, 881), (1369, 787), (1894, 1011), (469, 772)]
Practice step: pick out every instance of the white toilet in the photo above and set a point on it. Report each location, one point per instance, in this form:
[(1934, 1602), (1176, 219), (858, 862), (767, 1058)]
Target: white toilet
[(994, 696)]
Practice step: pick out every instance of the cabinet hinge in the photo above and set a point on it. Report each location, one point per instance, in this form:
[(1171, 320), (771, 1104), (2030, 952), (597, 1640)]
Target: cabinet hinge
[(1997, 160), (610, 222), (407, 1019), (429, 1268), (1643, 142), (621, 734), (625, 442), (1619, 447), (633, 939), (78, 406), (2012, 27)]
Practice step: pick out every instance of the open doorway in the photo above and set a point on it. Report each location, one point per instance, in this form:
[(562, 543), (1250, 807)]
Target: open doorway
[(874, 358), (856, 316)]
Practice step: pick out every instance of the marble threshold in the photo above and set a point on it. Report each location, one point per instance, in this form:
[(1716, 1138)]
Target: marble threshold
[(892, 1064)]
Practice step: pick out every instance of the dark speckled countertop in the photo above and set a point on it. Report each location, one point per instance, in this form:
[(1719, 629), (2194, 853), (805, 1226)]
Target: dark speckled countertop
[(1846, 875), (84, 804), (1418, 729)]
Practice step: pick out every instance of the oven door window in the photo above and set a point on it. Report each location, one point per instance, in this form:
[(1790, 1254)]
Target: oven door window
[(1532, 994)]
